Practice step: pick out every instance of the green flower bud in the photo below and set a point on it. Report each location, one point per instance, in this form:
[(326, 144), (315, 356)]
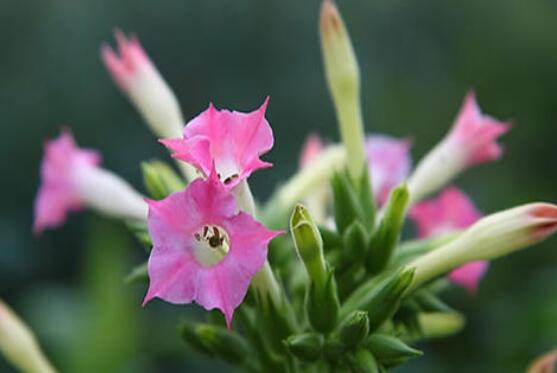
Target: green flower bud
[(390, 350), (383, 242), (160, 179), (217, 341), (343, 78), (363, 361), (355, 243), (354, 329), (306, 347), (347, 207)]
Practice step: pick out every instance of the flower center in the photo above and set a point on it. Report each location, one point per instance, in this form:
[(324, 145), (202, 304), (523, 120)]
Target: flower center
[(227, 170), (211, 244)]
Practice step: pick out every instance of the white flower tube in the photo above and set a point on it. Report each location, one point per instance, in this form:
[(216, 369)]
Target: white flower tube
[(490, 237), (18, 344)]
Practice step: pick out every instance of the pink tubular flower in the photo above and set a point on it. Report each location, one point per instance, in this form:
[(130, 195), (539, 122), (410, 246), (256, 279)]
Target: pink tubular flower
[(204, 250), (57, 194), (452, 210), (71, 178), (389, 163), (139, 79), (233, 141), (472, 140)]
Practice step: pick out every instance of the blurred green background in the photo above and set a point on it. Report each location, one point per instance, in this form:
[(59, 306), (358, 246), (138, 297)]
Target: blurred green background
[(418, 58)]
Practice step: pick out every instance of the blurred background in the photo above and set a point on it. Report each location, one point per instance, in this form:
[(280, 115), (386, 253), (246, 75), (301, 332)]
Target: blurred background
[(418, 59)]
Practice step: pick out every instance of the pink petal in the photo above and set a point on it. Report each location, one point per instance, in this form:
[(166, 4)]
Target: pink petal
[(57, 194), (475, 134), (175, 274), (236, 141), (389, 161), (310, 150), (469, 275), (452, 210)]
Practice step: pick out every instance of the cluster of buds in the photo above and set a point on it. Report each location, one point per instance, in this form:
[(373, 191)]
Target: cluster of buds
[(354, 296)]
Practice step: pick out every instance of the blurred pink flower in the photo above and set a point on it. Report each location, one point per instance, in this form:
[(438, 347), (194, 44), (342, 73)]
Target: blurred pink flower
[(452, 210), (204, 250), (230, 140), (311, 148), (389, 163), (58, 193)]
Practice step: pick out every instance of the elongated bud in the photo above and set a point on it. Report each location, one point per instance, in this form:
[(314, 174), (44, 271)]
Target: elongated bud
[(18, 344), (309, 245), (363, 361), (490, 237), (136, 75), (438, 325), (385, 239), (306, 346), (354, 329), (343, 78), (380, 297), (160, 179), (217, 341), (390, 350), (322, 304)]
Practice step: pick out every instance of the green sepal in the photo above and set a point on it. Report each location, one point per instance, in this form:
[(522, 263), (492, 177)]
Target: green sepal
[(347, 207), (322, 304), (217, 341), (278, 321), (331, 239), (138, 274), (367, 201), (160, 179), (363, 361), (306, 347), (380, 297), (390, 350), (429, 302), (355, 243), (354, 329), (385, 239)]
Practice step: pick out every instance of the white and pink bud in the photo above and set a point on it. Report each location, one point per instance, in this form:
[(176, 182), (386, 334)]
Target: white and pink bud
[(472, 140), (18, 344), (139, 79), (71, 179), (489, 238)]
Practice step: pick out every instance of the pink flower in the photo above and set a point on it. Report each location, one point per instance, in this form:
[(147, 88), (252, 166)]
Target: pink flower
[(58, 194), (204, 250), (312, 147), (230, 140), (452, 210), (71, 179), (139, 79), (471, 140), (389, 163), (475, 134)]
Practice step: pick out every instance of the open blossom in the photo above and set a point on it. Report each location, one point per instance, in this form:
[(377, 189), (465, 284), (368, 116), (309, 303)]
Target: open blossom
[(471, 140), (204, 250), (231, 140), (389, 163), (452, 210), (139, 79), (71, 178)]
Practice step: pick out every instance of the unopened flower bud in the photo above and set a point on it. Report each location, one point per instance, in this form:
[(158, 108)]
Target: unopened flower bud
[(354, 329), (306, 347), (490, 237), (386, 237), (471, 141), (363, 361), (343, 77), (18, 344), (390, 350)]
